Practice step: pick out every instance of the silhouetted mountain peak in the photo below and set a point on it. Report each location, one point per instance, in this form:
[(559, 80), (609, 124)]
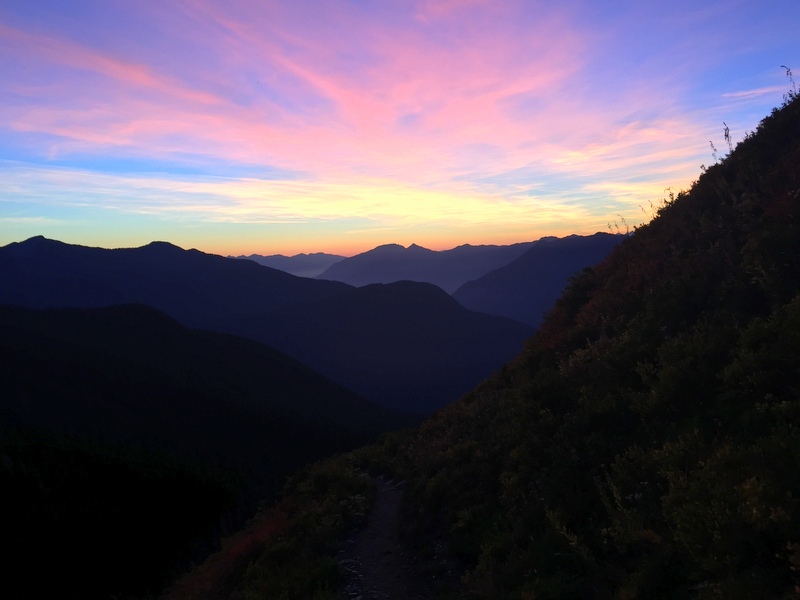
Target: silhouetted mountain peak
[(169, 250), (35, 247), (37, 239), (384, 248), (162, 247)]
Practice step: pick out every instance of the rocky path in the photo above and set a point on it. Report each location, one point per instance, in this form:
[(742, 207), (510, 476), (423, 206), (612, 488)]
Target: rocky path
[(375, 562)]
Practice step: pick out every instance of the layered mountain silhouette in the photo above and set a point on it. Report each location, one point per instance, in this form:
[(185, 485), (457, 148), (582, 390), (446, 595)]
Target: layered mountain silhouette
[(194, 287), (132, 376), (378, 344), (527, 288), (149, 348), (302, 265), (411, 334), (448, 269)]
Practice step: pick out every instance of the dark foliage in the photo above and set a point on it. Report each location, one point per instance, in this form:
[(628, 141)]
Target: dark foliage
[(647, 442)]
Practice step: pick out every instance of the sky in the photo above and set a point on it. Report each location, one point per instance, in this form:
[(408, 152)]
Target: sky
[(281, 127)]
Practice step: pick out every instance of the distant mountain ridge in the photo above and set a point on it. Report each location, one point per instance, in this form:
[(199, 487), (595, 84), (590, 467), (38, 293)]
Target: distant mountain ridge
[(301, 265), (237, 296), (189, 285), (529, 286), (448, 269)]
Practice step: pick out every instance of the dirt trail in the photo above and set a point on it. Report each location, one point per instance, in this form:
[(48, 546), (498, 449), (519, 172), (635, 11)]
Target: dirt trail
[(376, 564)]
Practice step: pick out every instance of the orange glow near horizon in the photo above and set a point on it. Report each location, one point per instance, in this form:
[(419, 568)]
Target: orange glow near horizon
[(281, 128)]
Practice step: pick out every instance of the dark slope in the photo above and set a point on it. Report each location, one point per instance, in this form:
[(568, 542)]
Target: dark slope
[(301, 265), (407, 345), (132, 376), (381, 344), (448, 269), (527, 288), (141, 342), (103, 521), (122, 428), (647, 442)]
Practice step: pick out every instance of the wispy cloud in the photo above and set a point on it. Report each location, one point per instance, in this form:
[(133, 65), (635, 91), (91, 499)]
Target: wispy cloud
[(384, 203), (770, 90), (452, 112)]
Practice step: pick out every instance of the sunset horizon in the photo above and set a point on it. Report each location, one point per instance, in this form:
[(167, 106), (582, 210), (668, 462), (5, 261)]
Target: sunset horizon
[(277, 128)]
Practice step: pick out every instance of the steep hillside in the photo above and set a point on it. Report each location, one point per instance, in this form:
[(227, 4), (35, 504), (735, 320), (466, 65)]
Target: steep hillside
[(447, 269), (527, 288), (647, 442)]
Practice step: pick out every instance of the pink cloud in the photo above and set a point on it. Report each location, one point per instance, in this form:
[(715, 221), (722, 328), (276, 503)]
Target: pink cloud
[(454, 96), (342, 93), (428, 10), (409, 89)]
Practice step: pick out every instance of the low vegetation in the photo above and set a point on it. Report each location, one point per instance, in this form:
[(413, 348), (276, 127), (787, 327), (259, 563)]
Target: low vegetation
[(647, 442), (288, 551)]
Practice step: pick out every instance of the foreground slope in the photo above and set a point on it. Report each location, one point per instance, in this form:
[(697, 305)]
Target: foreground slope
[(645, 445)]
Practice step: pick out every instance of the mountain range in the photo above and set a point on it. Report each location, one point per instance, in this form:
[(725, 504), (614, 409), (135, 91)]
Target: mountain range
[(379, 342), (447, 269), (520, 281), (302, 265)]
